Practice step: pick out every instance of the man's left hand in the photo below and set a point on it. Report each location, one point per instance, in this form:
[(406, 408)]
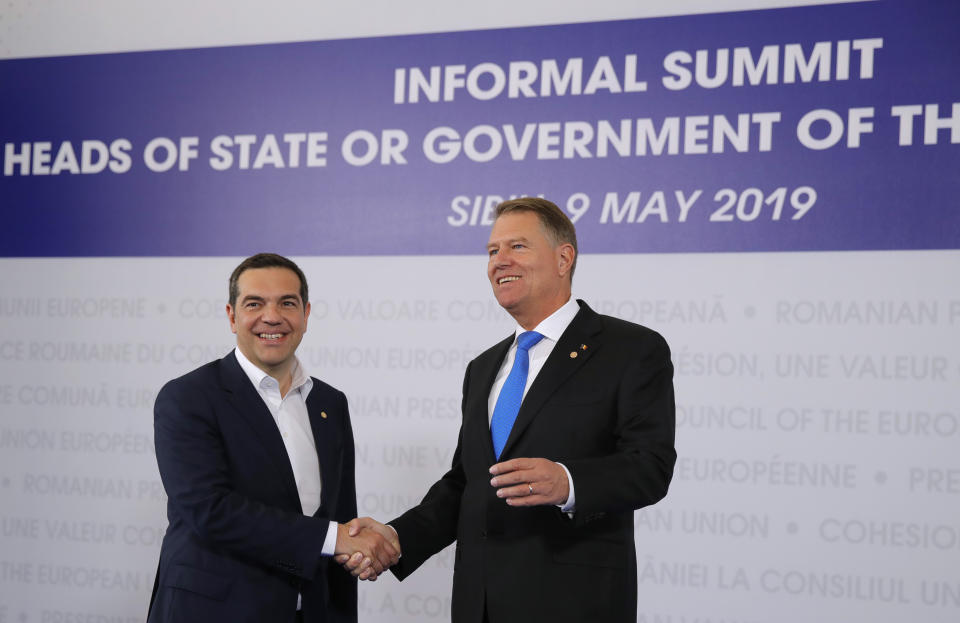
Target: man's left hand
[(530, 482)]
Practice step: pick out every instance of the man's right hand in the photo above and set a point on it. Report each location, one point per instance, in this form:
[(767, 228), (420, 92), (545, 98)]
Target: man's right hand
[(361, 566), (365, 551)]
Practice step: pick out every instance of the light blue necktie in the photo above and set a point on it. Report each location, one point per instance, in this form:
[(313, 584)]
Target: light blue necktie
[(511, 395)]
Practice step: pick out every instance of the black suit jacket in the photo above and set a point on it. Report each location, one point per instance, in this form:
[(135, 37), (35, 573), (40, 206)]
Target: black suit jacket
[(238, 547), (607, 413)]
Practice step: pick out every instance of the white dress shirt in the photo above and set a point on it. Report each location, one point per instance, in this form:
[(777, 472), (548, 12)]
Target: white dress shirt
[(551, 328), (290, 414)]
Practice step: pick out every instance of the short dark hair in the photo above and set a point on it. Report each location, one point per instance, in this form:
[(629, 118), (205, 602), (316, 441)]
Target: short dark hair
[(555, 223), (266, 260)]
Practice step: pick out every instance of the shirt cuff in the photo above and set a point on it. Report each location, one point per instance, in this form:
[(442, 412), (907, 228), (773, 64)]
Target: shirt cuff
[(396, 534), (330, 543), (571, 504)]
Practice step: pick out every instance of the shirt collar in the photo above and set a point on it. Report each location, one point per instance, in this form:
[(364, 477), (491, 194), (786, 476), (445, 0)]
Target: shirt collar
[(257, 376), (553, 326)]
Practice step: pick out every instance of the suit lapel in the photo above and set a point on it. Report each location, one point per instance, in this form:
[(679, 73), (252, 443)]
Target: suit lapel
[(248, 403), (574, 348), (477, 412), (326, 441)]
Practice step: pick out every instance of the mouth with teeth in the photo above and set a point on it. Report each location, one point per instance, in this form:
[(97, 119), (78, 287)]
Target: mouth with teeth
[(507, 279), (270, 337)]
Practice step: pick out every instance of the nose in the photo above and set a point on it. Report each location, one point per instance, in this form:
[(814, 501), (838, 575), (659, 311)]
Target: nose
[(502, 258), (271, 314)]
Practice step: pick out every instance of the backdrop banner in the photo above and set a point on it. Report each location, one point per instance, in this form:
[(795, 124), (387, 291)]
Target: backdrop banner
[(817, 128), (774, 191)]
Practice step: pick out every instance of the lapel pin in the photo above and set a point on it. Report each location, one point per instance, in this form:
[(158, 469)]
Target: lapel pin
[(573, 354), (583, 347), (323, 414)]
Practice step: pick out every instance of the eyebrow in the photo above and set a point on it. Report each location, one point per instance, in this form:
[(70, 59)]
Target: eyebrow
[(257, 297), (509, 240)]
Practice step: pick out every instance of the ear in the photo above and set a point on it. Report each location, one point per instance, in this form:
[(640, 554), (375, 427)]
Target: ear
[(232, 317), (306, 315), (567, 255)]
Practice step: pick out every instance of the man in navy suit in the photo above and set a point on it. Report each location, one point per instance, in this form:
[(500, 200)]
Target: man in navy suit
[(568, 426), (257, 460)]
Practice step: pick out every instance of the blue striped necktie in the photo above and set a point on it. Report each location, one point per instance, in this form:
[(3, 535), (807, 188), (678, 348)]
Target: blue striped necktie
[(511, 395)]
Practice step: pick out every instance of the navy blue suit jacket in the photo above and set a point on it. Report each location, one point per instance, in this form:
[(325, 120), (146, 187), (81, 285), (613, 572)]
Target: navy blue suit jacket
[(238, 547)]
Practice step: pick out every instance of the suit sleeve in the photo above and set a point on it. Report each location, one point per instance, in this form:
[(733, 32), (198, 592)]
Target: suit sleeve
[(639, 471), (343, 586), (193, 462), (431, 526)]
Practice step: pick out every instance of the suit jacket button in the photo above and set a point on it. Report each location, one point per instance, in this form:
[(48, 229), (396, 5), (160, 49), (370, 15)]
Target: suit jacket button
[(483, 534)]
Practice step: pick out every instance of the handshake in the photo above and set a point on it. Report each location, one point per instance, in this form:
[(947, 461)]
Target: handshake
[(366, 548)]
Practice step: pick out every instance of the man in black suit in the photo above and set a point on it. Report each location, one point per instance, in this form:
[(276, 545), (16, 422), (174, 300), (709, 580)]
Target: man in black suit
[(568, 427), (257, 461)]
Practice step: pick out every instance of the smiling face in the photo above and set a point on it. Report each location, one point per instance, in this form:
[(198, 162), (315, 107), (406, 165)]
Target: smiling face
[(269, 318), (529, 272)]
